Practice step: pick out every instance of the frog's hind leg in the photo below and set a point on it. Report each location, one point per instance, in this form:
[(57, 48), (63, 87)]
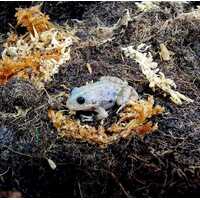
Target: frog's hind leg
[(126, 94)]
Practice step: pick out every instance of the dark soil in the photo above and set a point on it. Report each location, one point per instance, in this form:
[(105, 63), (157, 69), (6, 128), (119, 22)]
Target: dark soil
[(163, 164)]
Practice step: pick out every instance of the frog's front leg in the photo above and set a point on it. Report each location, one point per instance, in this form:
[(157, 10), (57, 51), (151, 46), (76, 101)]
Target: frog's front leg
[(101, 113)]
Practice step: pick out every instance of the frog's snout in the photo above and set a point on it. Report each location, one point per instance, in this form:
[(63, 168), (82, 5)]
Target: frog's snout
[(69, 104)]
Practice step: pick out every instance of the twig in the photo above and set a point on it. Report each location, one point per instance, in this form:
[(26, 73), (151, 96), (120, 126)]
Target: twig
[(79, 187), (22, 154), (5, 172)]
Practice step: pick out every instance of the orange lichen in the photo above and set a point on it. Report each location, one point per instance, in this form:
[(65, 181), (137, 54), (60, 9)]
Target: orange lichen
[(10, 67), (37, 54), (132, 120), (146, 128), (135, 118), (70, 128), (33, 18)]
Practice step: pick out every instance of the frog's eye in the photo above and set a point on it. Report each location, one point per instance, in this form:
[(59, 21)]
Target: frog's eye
[(80, 100)]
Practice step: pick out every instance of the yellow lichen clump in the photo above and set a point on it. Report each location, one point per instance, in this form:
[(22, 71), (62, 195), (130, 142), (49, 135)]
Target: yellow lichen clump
[(134, 119), (37, 54)]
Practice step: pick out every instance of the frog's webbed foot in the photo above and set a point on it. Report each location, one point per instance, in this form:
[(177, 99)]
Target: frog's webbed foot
[(101, 113)]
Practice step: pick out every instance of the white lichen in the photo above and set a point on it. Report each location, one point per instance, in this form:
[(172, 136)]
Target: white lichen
[(156, 78)]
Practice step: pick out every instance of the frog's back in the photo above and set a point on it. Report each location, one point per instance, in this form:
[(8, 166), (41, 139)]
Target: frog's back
[(102, 93), (113, 80)]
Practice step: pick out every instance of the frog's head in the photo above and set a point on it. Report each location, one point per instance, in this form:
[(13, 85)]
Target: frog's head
[(79, 100)]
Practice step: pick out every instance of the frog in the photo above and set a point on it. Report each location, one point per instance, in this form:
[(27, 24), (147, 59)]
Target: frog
[(101, 95)]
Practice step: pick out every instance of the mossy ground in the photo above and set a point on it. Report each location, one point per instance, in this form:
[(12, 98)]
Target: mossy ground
[(163, 164)]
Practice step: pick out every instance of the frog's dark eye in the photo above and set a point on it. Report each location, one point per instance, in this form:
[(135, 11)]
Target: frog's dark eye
[(80, 100)]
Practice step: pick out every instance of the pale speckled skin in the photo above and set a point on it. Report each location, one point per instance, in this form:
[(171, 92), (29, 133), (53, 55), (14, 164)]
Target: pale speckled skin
[(101, 95)]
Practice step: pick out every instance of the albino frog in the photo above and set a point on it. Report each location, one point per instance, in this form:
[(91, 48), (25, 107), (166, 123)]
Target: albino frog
[(101, 95)]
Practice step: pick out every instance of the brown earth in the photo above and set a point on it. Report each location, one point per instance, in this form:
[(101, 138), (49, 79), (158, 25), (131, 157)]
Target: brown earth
[(163, 164)]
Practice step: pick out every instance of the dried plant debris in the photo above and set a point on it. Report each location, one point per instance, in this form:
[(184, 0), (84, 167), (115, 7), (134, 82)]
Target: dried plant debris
[(102, 34), (190, 16), (165, 54), (175, 26), (154, 76), (146, 6), (32, 18), (37, 54), (124, 20), (133, 119), (20, 114)]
